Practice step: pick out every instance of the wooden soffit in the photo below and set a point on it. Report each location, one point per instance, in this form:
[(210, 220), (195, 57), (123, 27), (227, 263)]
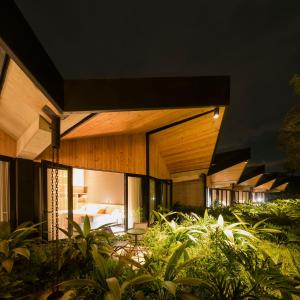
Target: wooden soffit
[(227, 177), (131, 122), (190, 145)]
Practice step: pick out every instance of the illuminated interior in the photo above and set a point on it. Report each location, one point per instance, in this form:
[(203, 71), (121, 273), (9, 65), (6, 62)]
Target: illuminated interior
[(100, 195)]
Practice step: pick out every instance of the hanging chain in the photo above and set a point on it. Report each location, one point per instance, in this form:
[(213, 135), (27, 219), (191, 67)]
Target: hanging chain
[(52, 196), (56, 213)]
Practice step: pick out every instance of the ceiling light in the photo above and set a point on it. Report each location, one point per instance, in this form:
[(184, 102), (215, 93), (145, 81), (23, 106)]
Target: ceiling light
[(216, 113)]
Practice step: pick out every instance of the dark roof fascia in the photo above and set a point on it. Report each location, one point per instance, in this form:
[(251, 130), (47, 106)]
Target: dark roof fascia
[(146, 93), (20, 43), (222, 161), (279, 181), (96, 95), (265, 179), (252, 171)]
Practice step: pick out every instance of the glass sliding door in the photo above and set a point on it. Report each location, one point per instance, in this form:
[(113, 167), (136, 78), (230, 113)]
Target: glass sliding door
[(153, 199), (134, 200), (164, 194), (100, 196), (4, 191), (169, 195), (64, 179)]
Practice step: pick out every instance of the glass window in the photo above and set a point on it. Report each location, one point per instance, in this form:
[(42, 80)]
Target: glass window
[(4, 191), (100, 195), (135, 195), (164, 195), (152, 204), (169, 195)]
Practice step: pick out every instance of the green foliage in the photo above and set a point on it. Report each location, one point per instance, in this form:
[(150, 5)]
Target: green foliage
[(14, 245), (246, 253), (289, 137)]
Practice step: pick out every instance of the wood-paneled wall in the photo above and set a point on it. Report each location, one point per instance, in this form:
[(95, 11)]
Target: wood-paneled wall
[(8, 146), (189, 193), (122, 153), (158, 167)]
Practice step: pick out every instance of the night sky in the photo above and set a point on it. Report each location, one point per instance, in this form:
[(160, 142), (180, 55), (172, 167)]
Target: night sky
[(256, 42)]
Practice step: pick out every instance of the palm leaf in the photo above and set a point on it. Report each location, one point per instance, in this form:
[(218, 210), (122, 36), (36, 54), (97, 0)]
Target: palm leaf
[(76, 226), (76, 283), (22, 251), (141, 279), (171, 287), (7, 264), (86, 226), (173, 261), (114, 287)]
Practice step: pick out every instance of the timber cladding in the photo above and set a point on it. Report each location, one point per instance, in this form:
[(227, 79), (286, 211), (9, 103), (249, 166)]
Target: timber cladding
[(8, 146), (119, 153), (158, 167), (188, 193)]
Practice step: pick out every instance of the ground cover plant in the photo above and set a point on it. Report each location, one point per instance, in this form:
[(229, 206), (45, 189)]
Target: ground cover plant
[(186, 256)]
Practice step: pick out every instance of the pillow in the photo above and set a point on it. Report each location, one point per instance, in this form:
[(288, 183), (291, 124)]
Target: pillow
[(101, 211), (109, 211)]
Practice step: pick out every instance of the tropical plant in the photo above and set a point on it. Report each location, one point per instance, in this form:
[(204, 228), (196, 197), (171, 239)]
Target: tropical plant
[(250, 252), (104, 281), (15, 245)]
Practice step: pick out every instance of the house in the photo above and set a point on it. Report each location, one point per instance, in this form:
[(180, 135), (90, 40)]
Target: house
[(114, 149)]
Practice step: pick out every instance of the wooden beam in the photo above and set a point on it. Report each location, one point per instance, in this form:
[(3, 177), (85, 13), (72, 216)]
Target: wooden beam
[(146, 93), (8, 146), (21, 44), (35, 139)]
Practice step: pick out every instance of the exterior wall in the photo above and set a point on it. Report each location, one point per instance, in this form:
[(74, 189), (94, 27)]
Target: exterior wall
[(158, 168), (189, 193), (8, 146), (123, 153)]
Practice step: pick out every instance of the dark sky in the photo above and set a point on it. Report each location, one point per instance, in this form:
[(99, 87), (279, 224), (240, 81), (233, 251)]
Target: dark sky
[(256, 42)]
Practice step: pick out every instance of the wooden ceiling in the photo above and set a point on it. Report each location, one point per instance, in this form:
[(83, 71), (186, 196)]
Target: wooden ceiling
[(265, 186), (184, 147), (280, 188), (129, 122), (251, 182), (190, 145), (228, 176), (20, 102)]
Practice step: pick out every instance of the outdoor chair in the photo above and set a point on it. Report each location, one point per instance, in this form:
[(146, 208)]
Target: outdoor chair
[(117, 244)]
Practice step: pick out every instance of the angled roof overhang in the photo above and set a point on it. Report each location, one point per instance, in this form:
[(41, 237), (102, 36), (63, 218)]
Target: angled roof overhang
[(280, 184), (33, 82), (19, 41), (227, 167), (265, 183), (21, 44), (251, 176), (188, 146)]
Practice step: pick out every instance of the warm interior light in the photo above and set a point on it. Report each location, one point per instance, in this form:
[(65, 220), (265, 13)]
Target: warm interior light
[(216, 113), (78, 177)]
